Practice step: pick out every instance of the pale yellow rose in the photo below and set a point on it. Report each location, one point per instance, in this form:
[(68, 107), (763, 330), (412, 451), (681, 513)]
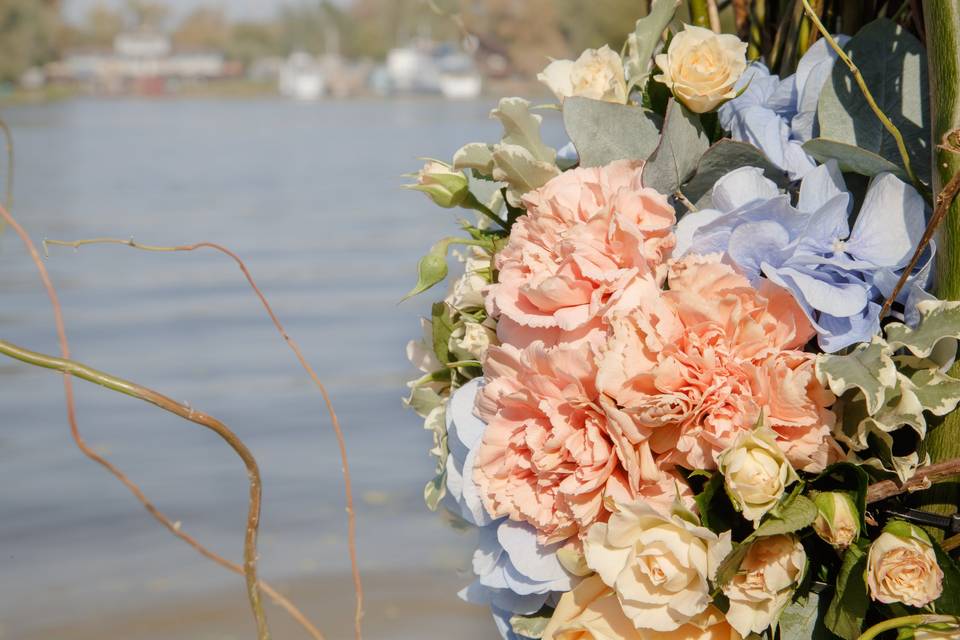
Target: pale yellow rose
[(837, 521), (755, 473), (902, 567), (765, 583), (659, 566), (596, 74), (701, 67), (592, 612)]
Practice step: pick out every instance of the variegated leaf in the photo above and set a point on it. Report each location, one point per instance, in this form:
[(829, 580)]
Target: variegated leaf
[(939, 320), (869, 368)]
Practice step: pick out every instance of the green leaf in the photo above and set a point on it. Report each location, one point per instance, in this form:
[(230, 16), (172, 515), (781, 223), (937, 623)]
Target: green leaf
[(603, 132), (441, 328), (869, 367), (937, 392), (642, 43), (852, 159), (849, 477), (797, 513), (722, 158), (676, 157), (432, 268), (531, 626), (850, 602), (949, 600), (434, 491), (802, 619), (731, 564), (713, 504), (939, 320), (894, 66)]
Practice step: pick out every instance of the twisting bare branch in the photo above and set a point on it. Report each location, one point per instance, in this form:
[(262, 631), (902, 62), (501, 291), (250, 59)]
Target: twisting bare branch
[(924, 477), (348, 486)]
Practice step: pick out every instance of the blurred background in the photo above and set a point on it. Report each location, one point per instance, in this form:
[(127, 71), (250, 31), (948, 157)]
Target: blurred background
[(281, 130)]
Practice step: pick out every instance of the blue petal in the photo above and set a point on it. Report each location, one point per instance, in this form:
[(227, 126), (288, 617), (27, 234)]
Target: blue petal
[(840, 333), (531, 559), (753, 243), (822, 294), (890, 223), (742, 186), (688, 226), (820, 186), (814, 68)]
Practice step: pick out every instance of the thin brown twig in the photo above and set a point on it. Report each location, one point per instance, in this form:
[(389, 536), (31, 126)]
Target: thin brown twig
[(8, 180), (943, 203), (924, 477), (249, 569), (341, 443)]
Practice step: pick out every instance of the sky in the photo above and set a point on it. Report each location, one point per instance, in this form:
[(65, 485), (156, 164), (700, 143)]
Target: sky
[(76, 9)]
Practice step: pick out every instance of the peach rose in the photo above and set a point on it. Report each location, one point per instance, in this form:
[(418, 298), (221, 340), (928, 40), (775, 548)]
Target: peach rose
[(768, 576), (659, 566), (902, 567), (592, 612), (696, 365), (587, 232)]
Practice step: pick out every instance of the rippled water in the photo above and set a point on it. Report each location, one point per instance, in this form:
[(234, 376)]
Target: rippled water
[(307, 195)]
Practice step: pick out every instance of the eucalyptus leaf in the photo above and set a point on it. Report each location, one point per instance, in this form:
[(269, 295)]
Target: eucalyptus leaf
[(643, 42), (723, 157), (852, 159), (799, 620), (850, 602), (869, 368), (894, 67), (675, 159), (603, 132)]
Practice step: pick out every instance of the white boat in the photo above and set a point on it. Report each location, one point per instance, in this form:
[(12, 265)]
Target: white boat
[(301, 78), (460, 86)]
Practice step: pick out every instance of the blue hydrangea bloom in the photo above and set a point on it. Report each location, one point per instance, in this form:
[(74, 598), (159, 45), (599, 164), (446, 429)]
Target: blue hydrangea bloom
[(515, 574), (778, 116), (839, 276)]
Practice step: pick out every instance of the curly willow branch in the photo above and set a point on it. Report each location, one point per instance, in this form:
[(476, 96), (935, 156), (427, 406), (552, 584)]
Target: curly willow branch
[(252, 583), (922, 479), (347, 483), (858, 77), (8, 142)]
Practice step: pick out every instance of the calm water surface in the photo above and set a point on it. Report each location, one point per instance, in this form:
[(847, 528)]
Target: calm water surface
[(307, 195)]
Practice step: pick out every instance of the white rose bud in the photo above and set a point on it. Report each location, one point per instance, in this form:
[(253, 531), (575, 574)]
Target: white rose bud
[(471, 340), (837, 520), (755, 473), (659, 566), (764, 585), (902, 566), (445, 186), (597, 74), (701, 67)]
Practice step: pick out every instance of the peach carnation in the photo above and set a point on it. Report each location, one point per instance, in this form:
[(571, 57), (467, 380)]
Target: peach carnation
[(547, 457), (696, 365), (587, 232)]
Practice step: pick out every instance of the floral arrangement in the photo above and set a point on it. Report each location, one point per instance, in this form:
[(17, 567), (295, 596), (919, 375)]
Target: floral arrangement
[(687, 384)]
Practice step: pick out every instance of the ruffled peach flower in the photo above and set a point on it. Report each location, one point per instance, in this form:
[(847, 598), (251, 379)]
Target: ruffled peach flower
[(694, 366), (587, 232), (547, 456)]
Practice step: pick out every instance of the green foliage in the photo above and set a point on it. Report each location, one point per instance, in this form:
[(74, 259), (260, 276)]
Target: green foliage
[(716, 511), (432, 268), (29, 32), (849, 477), (894, 66), (603, 132), (939, 320), (531, 626), (802, 619), (643, 42), (869, 368), (681, 146), (851, 158), (850, 601), (949, 600)]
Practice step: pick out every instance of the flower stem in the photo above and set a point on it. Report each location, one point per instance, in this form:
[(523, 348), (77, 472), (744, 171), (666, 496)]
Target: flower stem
[(471, 202), (907, 621), (942, 26), (858, 78), (699, 13)]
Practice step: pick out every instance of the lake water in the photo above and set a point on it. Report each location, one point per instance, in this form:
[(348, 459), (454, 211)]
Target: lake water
[(308, 196)]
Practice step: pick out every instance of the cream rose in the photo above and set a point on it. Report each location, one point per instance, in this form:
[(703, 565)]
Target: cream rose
[(837, 521), (902, 567), (447, 187), (592, 612), (471, 340), (596, 74), (755, 473), (659, 566), (701, 67), (768, 576)]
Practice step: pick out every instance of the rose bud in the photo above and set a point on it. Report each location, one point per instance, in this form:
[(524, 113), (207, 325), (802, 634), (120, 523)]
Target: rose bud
[(837, 520), (755, 474), (446, 187)]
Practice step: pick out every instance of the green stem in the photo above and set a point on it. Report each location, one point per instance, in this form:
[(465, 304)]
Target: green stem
[(858, 77), (471, 202), (699, 13), (758, 18), (906, 621), (942, 22)]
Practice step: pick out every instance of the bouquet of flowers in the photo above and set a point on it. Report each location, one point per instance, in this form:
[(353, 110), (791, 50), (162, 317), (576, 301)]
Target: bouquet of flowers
[(689, 383)]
